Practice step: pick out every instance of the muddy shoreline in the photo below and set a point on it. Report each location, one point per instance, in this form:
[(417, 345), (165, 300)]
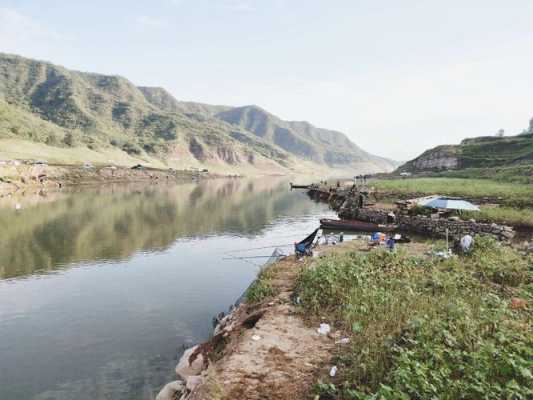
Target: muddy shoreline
[(14, 178)]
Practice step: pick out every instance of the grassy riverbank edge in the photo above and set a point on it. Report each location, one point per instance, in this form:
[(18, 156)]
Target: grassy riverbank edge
[(416, 325), (513, 202), (424, 327)]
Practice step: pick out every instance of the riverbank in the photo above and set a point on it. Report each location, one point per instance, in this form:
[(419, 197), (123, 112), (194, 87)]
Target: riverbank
[(17, 176), (400, 324), (381, 198), (480, 191), (265, 348)]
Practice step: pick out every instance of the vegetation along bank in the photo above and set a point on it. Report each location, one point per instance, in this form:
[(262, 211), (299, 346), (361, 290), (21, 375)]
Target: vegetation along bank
[(401, 325)]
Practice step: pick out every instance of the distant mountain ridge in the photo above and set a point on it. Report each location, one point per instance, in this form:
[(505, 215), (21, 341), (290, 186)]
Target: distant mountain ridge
[(44, 103)]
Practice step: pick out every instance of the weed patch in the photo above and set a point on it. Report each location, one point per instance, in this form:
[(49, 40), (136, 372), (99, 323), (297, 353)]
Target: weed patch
[(423, 328), (261, 288)]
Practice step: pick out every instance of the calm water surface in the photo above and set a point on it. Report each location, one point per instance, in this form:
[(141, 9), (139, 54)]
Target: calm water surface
[(101, 288)]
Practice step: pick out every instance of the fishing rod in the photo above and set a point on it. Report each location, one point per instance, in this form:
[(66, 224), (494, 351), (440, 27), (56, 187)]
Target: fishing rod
[(257, 248), (244, 258)]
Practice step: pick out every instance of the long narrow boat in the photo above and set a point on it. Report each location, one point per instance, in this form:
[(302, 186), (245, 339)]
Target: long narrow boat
[(293, 186), (355, 225)]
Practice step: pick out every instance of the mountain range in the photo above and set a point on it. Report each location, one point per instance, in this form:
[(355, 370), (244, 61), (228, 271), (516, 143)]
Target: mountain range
[(48, 111)]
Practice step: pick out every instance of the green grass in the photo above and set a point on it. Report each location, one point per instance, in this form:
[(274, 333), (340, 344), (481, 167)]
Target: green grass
[(261, 288), (508, 193), (516, 174), (503, 215), (422, 328)]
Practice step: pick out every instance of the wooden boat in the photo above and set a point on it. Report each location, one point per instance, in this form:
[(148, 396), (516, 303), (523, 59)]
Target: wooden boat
[(355, 225), (293, 186)]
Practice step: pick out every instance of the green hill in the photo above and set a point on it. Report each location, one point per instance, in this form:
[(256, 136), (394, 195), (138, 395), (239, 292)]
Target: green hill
[(476, 155), (49, 105)]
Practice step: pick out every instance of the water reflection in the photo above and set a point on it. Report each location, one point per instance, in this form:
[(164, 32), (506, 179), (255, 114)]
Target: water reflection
[(114, 222), (139, 271)]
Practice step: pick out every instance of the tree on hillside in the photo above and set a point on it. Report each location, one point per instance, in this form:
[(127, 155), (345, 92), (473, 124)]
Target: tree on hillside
[(500, 133), (69, 139)]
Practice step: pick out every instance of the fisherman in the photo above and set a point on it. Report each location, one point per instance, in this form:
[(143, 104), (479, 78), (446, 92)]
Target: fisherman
[(466, 244), (391, 244), (299, 249)]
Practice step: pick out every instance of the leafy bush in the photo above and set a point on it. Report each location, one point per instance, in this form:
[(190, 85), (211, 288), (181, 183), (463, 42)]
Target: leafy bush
[(131, 148), (498, 263)]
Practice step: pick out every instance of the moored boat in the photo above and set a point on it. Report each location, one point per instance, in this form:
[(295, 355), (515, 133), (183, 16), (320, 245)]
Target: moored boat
[(293, 186), (355, 225)]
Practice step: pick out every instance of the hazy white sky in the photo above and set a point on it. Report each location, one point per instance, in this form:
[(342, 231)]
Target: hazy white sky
[(396, 76)]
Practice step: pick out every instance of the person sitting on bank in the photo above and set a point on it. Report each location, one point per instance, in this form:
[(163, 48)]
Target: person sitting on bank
[(466, 244)]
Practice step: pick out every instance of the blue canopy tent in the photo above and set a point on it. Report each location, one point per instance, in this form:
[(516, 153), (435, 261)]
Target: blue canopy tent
[(450, 203)]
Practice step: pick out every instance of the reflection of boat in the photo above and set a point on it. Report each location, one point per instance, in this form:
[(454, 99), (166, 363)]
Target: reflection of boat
[(355, 225)]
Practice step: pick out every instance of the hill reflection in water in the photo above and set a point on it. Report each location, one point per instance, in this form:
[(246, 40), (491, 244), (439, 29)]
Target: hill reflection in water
[(57, 229)]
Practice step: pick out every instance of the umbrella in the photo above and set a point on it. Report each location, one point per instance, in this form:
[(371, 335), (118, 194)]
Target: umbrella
[(422, 201), (450, 203)]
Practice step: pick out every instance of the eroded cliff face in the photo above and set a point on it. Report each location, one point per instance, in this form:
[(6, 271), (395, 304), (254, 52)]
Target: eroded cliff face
[(442, 157), (437, 160)]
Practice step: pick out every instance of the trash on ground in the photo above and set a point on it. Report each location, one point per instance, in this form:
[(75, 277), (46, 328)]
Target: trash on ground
[(344, 340), (324, 329), (441, 254), (255, 338), (333, 371)]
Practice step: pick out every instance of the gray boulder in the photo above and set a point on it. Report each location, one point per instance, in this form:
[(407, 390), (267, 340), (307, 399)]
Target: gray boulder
[(171, 391), (184, 369)]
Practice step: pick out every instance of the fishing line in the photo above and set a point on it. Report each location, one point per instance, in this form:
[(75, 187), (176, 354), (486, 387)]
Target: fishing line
[(257, 248), (244, 258)]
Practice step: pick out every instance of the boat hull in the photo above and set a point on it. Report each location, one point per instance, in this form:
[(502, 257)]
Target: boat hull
[(299, 186), (355, 225)]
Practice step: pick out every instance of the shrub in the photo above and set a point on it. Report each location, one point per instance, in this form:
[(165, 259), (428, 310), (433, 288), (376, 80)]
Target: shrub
[(131, 148)]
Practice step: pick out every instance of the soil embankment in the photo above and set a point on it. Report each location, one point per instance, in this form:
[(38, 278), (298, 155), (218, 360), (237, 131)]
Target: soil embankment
[(15, 177)]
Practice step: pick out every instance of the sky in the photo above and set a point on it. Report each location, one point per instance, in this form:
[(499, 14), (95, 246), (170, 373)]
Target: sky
[(397, 77)]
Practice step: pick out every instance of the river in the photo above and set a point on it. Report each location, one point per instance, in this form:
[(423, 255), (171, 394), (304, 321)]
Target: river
[(102, 288)]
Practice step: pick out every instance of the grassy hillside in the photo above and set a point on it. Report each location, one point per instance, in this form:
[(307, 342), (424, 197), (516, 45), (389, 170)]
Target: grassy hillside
[(48, 104), (478, 156)]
